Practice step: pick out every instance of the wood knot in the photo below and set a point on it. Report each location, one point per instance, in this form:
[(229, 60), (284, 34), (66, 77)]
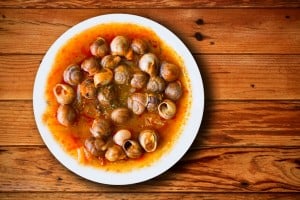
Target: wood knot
[(287, 17), (200, 22), (244, 183), (198, 36), (252, 85)]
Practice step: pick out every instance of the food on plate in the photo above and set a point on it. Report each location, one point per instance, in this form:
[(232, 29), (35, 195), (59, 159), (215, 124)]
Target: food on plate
[(117, 99)]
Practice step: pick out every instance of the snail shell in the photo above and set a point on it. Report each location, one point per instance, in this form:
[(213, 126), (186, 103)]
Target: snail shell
[(148, 140), (64, 94), (99, 47), (115, 153), (149, 63), (120, 115), (66, 115), (169, 71), (87, 88), (167, 109), (132, 149), (73, 75), (110, 61), (103, 78), (121, 136), (173, 90), (139, 80), (91, 66), (122, 74), (101, 128), (139, 46), (137, 102), (156, 84)]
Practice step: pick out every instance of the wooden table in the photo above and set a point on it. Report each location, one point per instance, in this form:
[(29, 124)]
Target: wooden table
[(248, 146)]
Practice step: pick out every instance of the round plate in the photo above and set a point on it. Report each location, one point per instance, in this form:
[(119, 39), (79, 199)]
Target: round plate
[(179, 148)]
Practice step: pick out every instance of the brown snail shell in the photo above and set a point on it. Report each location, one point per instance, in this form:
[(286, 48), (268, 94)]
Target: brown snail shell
[(99, 47), (169, 72), (73, 75), (115, 153), (120, 115), (88, 89), (132, 149), (121, 136), (167, 109), (66, 115), (137, 102), (110, 61), (101, 128), (149, 63), (173, 91), (64, 93), (91, 66), (156, 84), (148, 140), (139, 46)]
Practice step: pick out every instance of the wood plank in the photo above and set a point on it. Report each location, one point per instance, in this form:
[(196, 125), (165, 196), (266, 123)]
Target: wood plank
[(225, 76), (149, 196), (225, 123), (205, 170), (150, 4), (223, 31)]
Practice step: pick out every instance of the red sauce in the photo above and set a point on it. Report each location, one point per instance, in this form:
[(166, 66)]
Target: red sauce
[(72, 138)]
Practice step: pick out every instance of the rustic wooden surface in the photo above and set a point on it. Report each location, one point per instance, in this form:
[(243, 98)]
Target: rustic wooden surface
[(248, 146)]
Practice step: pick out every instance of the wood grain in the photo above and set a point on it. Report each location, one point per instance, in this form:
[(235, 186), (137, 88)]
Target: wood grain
[(149, 196), (149, 4), (274, 31), (255, 170), (225, 123), (234, 77)]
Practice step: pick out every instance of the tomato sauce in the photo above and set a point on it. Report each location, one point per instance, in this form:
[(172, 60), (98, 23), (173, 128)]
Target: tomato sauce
[(72, 138)]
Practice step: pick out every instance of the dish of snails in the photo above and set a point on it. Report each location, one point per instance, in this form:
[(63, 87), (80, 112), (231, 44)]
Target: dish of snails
[(118, 96)]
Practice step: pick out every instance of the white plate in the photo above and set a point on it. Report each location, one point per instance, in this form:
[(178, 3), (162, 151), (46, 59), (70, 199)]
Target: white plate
[(181, 146)]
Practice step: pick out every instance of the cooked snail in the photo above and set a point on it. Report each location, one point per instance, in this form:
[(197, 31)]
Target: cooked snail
[(91, 66), (106, 95), (153, 102), (103, 77), (87, 89), (148, 140), (167, 109), (139, 80), (121, 136), (137, 102), (101, 128), (96, 146), (122, 74), (115, 153), (139, 46), (132, 149), (156, 84), (99, 47), (120, 46), (64, 94), (66, 115), (110, 61), (73, 75), (149, 63), (120, 115), (173, 91), (169, 71)]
